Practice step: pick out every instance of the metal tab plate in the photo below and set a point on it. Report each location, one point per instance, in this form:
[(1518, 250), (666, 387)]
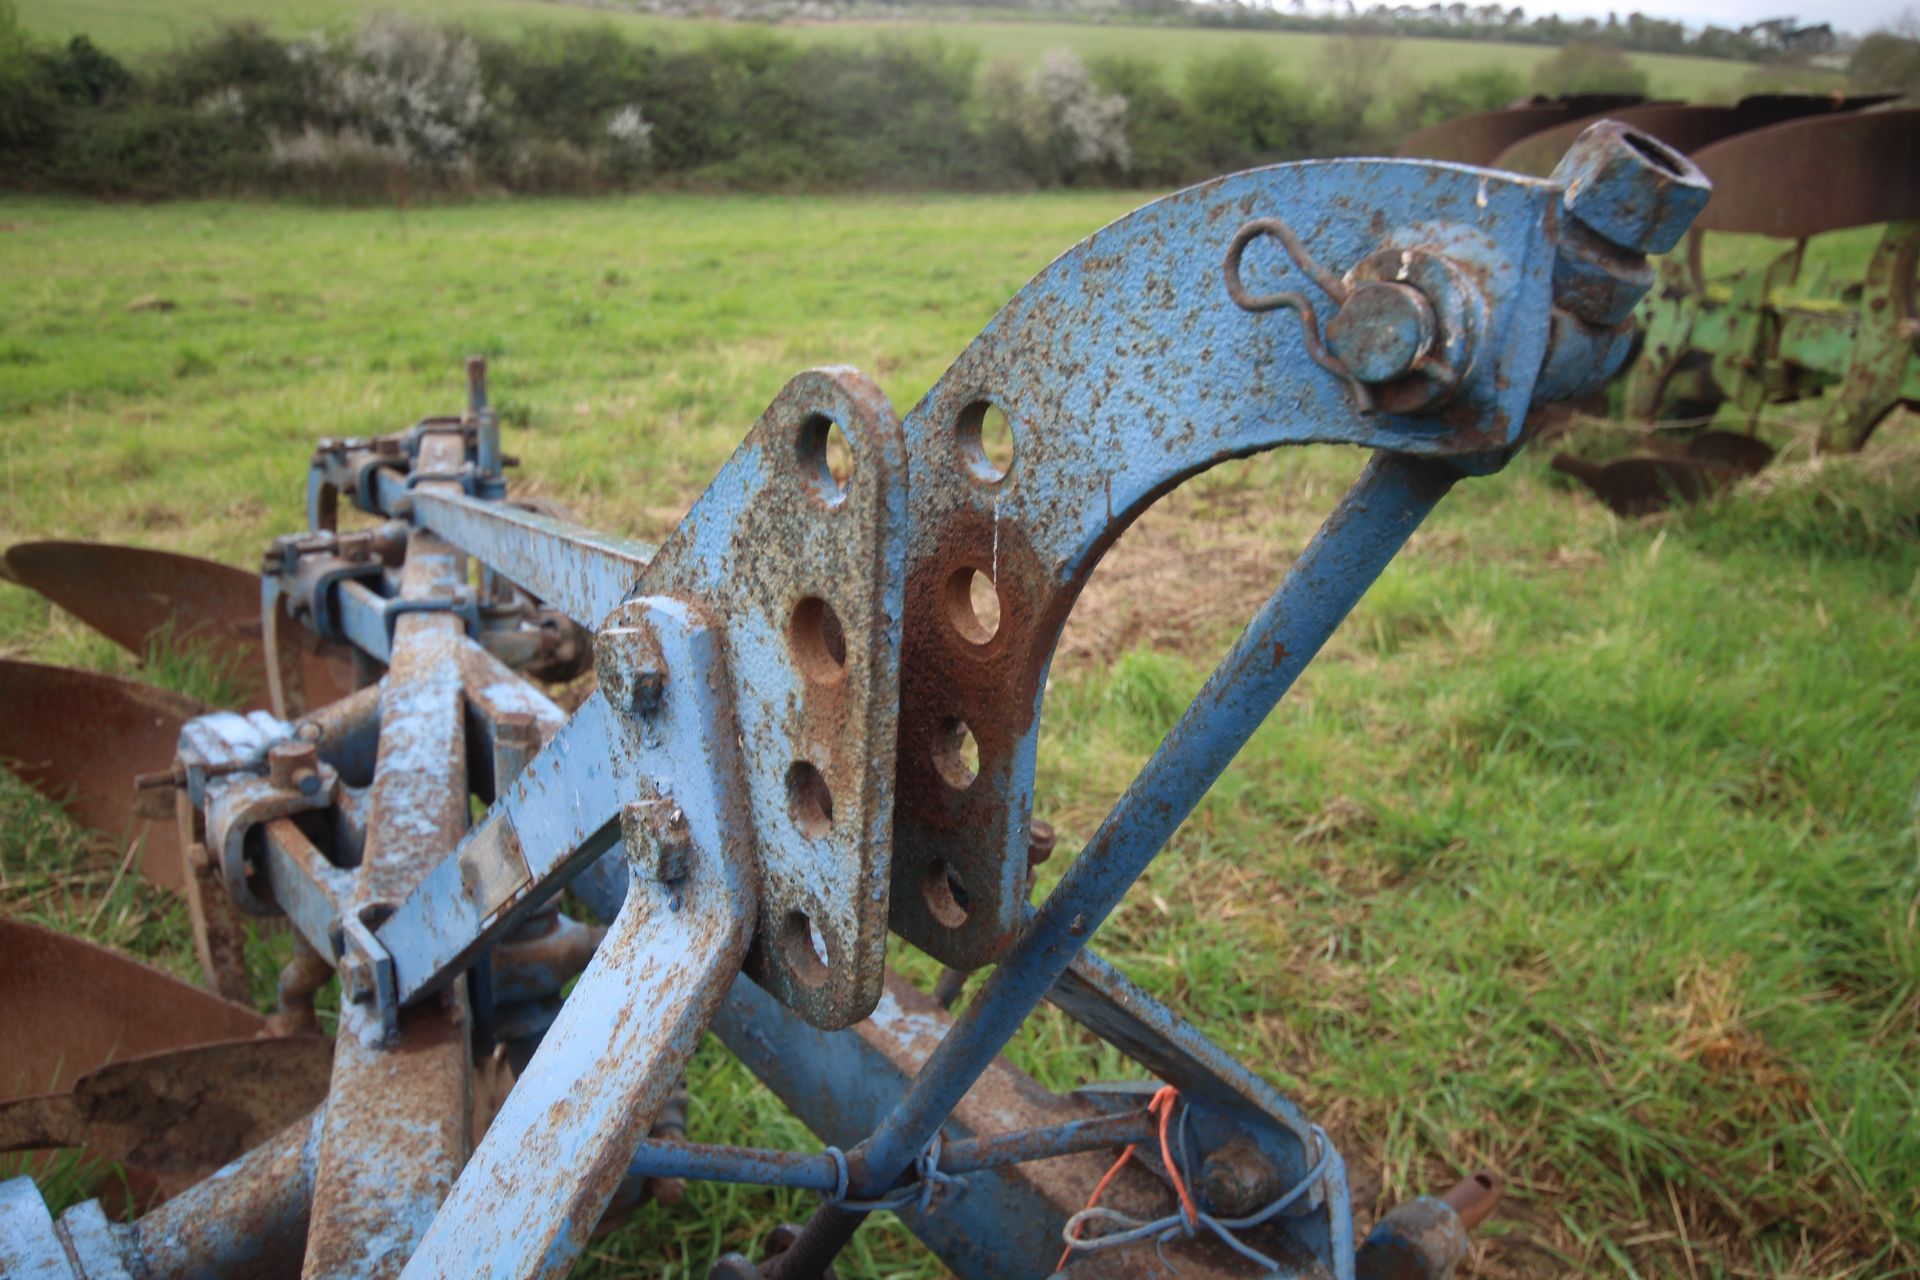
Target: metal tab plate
[(804, 570)]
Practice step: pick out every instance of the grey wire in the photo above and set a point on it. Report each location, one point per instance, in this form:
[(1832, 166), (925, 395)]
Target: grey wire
[(1175, 1225), (929, 1184)]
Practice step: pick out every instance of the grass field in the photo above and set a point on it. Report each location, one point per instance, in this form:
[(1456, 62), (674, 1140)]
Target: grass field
[(1588, 849), (133, 26)]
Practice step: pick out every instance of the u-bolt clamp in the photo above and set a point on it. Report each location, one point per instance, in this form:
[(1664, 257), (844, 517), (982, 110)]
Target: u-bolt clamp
[(1402, 339)]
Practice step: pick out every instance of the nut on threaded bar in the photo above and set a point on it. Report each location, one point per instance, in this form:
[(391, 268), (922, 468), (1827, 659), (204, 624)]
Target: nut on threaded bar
[(1631, 188)]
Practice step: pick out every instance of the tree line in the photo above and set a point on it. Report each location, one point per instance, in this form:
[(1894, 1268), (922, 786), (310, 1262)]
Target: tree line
[(1762, 41)]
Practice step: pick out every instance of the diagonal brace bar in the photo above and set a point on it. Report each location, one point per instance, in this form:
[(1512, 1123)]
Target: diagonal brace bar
[(1386, 504), (550, 1162)]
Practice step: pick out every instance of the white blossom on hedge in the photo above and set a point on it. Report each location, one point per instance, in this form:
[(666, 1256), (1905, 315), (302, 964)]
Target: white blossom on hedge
[(413, 88), (1093, 125), (630, 131), (317, 148), (228, 102)]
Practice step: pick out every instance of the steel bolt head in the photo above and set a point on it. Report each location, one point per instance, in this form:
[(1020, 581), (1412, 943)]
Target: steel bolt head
[(356, 979), (655, 834), (1631, 188), (1381, 330), (631, 667), (1040, 842), (1238, 1178)]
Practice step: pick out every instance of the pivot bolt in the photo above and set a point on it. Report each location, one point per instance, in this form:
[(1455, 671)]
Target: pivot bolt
[(1382, 330), (294, 766), (1238, 1179)]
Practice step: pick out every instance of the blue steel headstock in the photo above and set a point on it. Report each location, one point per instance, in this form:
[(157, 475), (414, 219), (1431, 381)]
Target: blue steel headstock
[(772, 754)]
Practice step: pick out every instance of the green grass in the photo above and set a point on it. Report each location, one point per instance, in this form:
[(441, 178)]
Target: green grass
[(1588, 849), (135, 26)]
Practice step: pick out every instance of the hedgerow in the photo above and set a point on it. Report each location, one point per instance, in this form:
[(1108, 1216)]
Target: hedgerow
[(405, 108)]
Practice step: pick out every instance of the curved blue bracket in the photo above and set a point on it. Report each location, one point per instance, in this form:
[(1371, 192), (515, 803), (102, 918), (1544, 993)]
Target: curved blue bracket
[(1123, 369)]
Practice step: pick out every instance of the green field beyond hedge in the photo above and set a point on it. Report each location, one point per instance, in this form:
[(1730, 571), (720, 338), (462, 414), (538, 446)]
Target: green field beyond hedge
[(1586, 851)]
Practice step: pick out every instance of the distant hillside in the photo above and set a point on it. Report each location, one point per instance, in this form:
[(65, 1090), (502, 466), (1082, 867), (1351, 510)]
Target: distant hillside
[(130, 27)]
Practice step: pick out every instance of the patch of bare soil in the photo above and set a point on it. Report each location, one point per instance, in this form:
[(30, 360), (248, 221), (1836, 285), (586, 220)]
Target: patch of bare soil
[(1195, 565)]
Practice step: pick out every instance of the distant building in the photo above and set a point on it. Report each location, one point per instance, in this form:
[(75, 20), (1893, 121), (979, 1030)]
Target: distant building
[(1787, 36)]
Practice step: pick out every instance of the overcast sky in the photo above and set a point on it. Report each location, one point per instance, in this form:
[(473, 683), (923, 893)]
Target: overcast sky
[(1858, 16)]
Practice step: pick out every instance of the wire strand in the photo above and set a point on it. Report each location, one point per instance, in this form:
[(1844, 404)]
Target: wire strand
[(1189, 1219)]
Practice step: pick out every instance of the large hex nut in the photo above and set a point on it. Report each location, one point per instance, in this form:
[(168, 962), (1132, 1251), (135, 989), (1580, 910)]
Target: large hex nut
[(1631, 188), (1596, 279), (1580, 357)]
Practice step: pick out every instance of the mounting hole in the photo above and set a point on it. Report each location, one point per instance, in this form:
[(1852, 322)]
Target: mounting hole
[(805, 950), (946, 894), (985, 440), (956, 756), (973, 604), (826, 459), (818, 641), (808, 799)]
